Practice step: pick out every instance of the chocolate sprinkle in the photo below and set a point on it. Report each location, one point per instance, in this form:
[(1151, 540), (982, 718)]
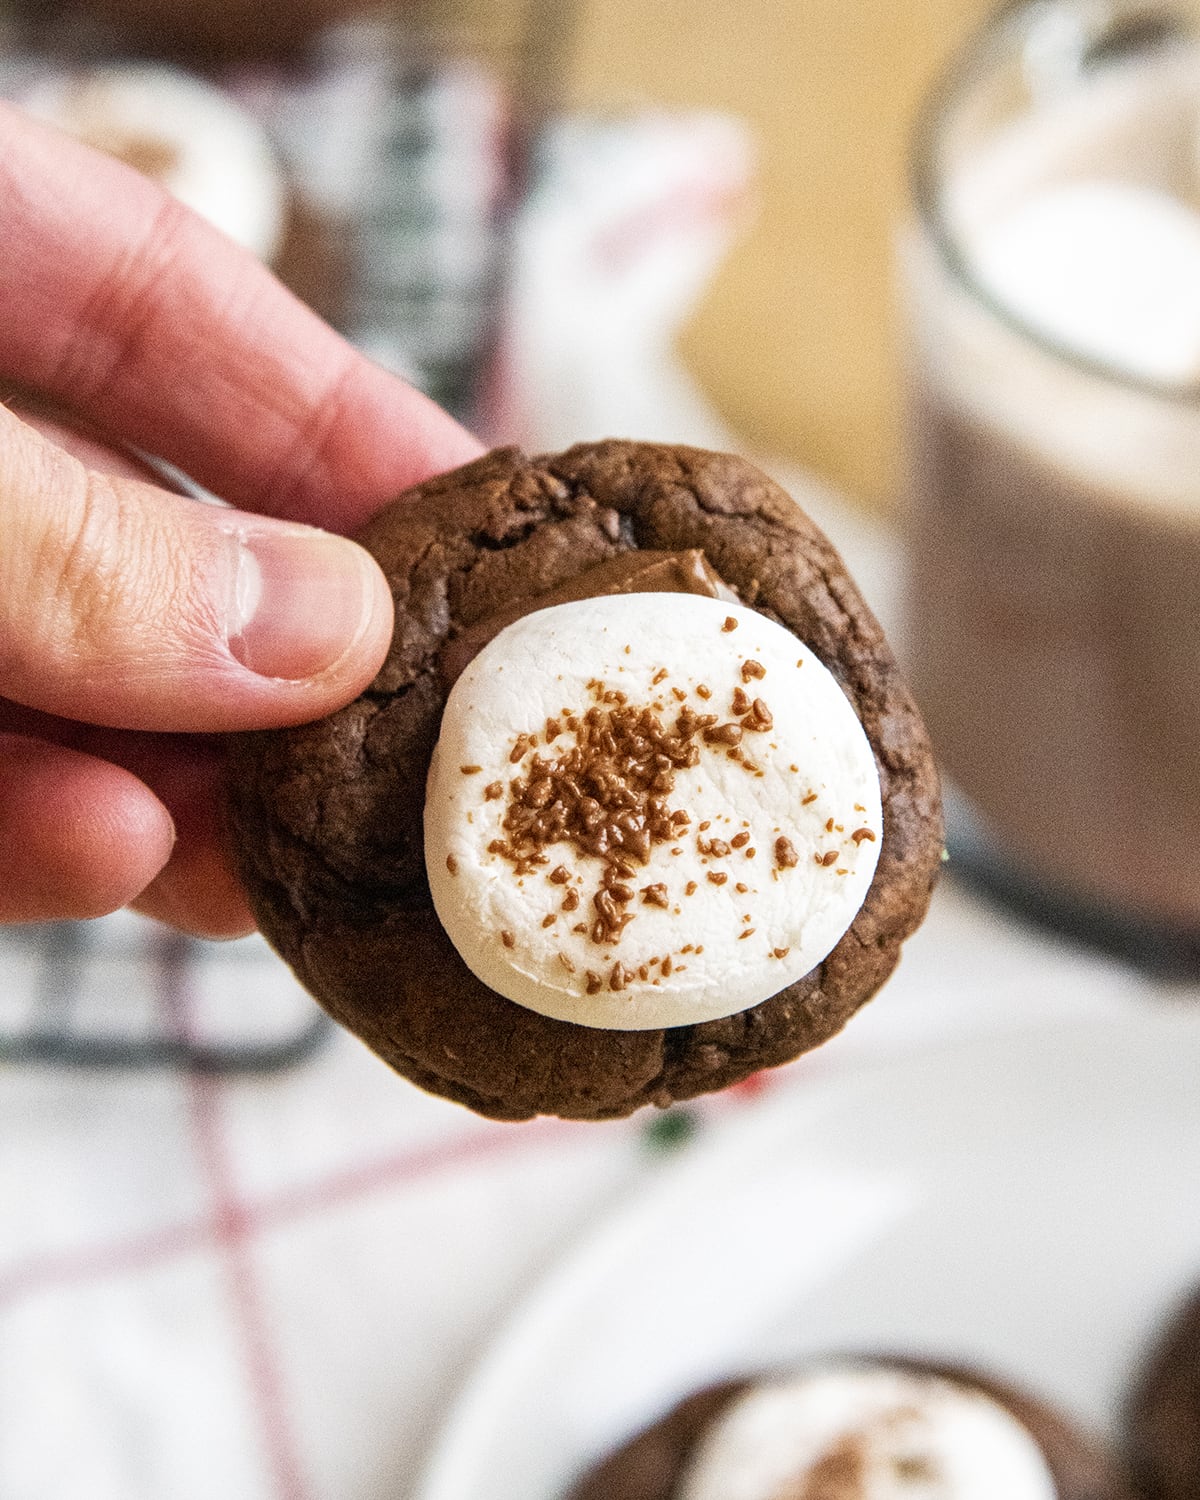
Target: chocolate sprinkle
[(786, 857), (606, 796), (759, 719)]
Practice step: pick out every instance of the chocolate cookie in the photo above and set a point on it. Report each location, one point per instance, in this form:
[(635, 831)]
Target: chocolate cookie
[(327, 818), (653, 1464), (1164, 1415)]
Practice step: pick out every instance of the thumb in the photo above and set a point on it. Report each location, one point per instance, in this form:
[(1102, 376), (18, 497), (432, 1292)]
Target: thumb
[(126, 605)]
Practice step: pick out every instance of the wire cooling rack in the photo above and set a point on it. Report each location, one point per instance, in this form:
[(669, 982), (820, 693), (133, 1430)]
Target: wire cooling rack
[(124, 992)]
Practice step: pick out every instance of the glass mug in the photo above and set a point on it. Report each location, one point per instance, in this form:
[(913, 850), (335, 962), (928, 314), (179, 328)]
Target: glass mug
[(1052, 291)]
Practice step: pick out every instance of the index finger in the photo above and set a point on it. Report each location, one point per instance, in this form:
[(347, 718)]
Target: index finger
[(136, 314)]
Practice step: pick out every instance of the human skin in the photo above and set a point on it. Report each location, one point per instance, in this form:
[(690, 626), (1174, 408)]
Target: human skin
[(137, 624)]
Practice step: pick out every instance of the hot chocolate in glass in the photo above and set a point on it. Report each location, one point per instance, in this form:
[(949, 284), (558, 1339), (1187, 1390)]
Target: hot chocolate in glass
[(1053, 287)]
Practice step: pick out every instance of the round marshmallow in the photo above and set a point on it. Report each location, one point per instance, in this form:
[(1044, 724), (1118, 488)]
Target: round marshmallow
[(881, 1433), (188, 135), (648, 810)]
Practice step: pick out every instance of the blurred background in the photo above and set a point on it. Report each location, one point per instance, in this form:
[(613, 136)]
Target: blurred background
[(796, 338), (793, 339), (237, 1256)]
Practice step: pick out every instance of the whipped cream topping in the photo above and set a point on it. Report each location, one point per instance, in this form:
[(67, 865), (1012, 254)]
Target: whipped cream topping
[(867, 1433), (1106, 269), (189, 136), (648, 810), (1061, 216)]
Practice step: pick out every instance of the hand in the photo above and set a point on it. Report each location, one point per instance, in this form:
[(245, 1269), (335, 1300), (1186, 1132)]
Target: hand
[(136, 624)]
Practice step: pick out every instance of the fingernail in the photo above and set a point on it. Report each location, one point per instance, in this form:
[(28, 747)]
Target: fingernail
[(301, 599)]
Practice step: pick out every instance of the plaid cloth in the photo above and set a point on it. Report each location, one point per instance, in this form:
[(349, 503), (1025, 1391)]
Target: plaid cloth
[(268, 1284)]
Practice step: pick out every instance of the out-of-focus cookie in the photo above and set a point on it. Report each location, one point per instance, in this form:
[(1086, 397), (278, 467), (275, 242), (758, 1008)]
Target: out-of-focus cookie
[(1164, 1413), (184, 132), (859, 1430)]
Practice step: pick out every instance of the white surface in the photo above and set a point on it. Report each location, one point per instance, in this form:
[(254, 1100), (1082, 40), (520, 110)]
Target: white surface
[(738, 924), (273, 1287), (1026, 1203)]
